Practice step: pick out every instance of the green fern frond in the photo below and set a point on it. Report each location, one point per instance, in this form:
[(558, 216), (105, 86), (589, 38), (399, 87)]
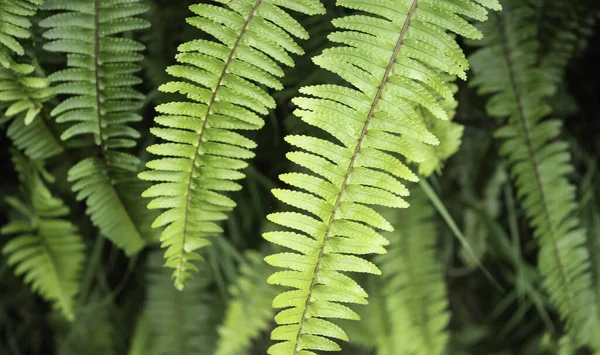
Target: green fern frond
[(47, 250), (416, 298), (14, 26), (25, 95), (203, 155), (249, 312), (101, 103), (180, 322), (393, 57), (505, 67)]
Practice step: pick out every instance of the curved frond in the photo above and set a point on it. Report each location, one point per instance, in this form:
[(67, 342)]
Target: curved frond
[(249, 312), (47, 250), (25, 94), (506, 68), (393, 54), (14, 26), (101, 102), (203, 154)]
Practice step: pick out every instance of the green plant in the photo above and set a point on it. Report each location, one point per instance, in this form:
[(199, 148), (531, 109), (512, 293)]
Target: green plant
[(423, 208)]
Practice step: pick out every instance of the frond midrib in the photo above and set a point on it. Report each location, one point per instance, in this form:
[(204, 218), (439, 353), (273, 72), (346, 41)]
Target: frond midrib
[(209, 106), (351, 166), (535, 164)]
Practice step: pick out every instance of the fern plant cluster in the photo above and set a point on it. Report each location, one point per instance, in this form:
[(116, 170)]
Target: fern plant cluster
[(392, 177)]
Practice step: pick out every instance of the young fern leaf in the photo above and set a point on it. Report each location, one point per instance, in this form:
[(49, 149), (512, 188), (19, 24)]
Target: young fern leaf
[(14, 26), (47, 251), (25, 95), (102, 102), (249, 312), (393, 57), (505, 67), (415, 290), (203, 154)]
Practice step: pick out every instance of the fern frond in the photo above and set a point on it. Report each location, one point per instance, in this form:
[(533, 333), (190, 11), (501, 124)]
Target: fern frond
[(25, 94), (506, 68), (249, 312), (47, 251), (180, 322), (393, 56), (203, 155), (14, 26), (101, 103), (416, 298)]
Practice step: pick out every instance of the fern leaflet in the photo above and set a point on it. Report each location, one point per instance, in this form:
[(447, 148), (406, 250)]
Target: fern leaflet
[(393, 57), (25, 95), (47, 250), (102, 107), (505, 68), (14, 26), (203, 154)]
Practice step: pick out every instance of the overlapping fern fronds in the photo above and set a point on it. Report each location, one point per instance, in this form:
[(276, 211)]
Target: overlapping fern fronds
[(25, 94), (14, 27), (394, 56), (203, 155), (415, 290), (249, 312), (47, 249), (101, 103), (506, 68)]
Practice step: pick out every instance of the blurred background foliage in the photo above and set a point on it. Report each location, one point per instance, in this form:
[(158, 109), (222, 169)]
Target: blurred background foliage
[(128, 305)]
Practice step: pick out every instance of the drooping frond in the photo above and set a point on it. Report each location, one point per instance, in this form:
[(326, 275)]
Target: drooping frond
[(180, 322), (203, 155), (249, 312), (415, 290), (25, 95), (14, 26), (101, 103), (47, 249), (506, 68), (393, 55)]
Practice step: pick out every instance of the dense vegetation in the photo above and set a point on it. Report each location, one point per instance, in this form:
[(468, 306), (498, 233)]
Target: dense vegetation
[(235, 177)]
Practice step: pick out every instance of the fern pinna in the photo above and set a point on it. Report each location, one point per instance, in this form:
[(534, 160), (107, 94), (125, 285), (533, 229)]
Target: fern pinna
[(393, 56), (25, 93), (539, 162), (102, 103), (203, 153), (14, 26), (47, 251)]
